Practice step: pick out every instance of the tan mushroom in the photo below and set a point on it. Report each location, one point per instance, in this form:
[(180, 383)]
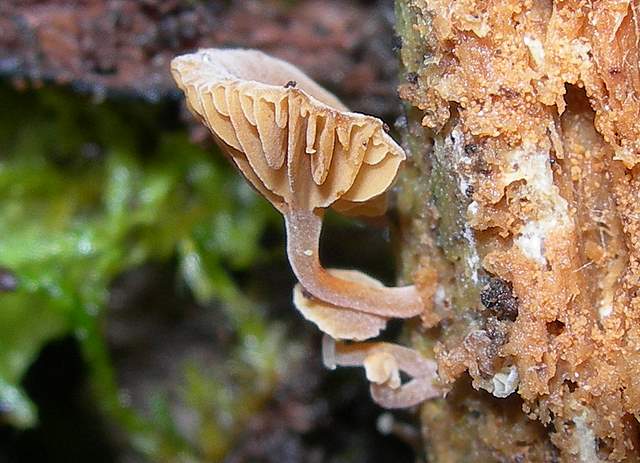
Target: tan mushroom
[(304, 151), (340, 322), (383, 362)]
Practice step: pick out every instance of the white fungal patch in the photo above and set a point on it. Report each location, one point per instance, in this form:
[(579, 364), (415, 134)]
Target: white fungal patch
[(505, 382), (462, 162), (608, 286), (439, 297), (473, 259), (532, 165), (605, 310), (531, 239), (585, 440), (535, 48), (473, 209)]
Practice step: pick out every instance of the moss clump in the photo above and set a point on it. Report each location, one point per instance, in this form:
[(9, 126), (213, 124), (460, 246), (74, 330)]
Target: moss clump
[(91, 190)]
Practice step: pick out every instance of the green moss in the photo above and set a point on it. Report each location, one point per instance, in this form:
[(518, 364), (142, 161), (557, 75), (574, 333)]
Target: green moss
[(409, 21), (90, 190)]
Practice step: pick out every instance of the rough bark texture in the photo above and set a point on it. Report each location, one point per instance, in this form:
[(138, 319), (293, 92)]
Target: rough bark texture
[(522, 193)]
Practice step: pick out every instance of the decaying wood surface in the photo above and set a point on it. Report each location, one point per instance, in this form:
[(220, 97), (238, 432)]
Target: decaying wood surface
[(523, 193)]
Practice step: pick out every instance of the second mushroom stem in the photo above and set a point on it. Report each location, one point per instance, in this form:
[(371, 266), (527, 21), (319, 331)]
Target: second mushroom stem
[(303, 238)]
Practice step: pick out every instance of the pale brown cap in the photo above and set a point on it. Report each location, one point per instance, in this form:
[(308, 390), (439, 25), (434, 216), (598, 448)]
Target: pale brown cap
[(294, 141)]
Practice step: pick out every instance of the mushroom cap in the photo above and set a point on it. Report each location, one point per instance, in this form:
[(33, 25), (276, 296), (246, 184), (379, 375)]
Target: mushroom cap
[(340, 322), (294, 141)]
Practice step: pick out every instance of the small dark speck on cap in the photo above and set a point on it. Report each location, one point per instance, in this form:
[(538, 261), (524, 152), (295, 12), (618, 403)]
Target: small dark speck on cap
[(291, 84)]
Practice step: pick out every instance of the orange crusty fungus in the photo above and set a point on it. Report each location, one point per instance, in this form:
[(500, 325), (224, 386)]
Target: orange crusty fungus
[(302, 149)]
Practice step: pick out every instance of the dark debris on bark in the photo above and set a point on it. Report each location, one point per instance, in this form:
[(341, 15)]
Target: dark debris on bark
[(497, 296)]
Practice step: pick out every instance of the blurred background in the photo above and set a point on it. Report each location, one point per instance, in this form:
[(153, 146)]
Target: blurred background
[(145, 309)]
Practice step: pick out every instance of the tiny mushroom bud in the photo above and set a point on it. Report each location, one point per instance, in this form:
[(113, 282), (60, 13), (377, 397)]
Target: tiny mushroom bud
[(383, 362), (304, 151)]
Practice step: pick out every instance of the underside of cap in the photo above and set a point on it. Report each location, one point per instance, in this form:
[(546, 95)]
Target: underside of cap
[(294, 141), (340, 322)]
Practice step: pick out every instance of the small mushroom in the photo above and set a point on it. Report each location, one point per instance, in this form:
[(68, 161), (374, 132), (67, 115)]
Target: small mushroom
[(383, 362), (339, 322), (304, 151)]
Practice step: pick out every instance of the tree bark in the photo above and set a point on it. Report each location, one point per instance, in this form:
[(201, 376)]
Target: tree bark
[(521, 198)]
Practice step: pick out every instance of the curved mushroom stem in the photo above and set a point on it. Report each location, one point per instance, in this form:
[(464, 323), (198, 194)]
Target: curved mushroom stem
[(385, 389), (408, 395), (303, 237)]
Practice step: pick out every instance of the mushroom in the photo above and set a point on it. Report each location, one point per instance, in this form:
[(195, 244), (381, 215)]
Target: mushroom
[(302, 149), (340, 322), (383, 362)]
